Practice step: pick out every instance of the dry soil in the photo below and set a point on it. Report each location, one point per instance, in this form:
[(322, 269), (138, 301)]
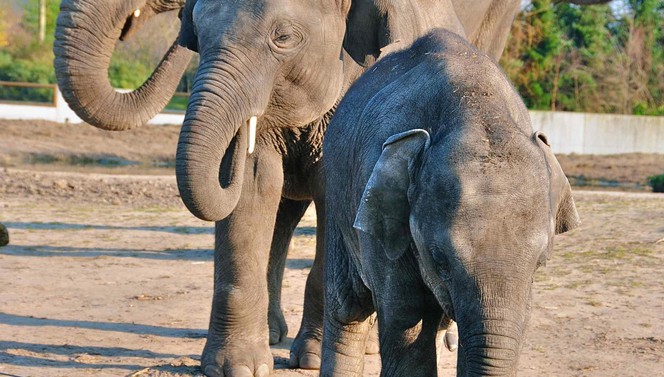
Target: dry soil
[(107, 274)]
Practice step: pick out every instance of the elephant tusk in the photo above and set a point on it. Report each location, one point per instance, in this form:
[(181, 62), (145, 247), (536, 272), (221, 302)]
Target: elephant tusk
[(137, 13), (252, 134)]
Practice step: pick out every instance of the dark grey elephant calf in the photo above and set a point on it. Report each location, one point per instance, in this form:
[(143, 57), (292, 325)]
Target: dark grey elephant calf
[(441, 203)]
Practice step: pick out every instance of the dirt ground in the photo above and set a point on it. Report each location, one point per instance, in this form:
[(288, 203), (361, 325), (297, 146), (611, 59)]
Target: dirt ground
[(107, 274)]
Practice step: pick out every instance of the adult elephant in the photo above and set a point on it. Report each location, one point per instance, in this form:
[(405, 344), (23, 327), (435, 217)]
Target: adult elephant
[(283, 65)]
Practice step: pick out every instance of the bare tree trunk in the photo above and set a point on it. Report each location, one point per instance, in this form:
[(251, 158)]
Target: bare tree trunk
[(554, 91), (42, 21)]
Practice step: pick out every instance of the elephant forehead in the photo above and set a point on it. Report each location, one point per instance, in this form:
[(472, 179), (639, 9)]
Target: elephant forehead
[(495, 210)]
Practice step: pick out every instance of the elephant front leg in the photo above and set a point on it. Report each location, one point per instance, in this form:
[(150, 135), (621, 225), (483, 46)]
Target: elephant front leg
[(290, 213), (306, 348), (408, 334), (237, 342)]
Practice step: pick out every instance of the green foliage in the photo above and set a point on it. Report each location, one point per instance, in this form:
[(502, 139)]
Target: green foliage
[(30, 20), (178, 103), (559, 56), (592, 58), (657, 183), (25, 70), (26, 59), (127, 74)]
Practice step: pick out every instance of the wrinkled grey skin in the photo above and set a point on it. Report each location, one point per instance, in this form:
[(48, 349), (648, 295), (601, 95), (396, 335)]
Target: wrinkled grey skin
[(256, 60), (441, 203), (288, 63)]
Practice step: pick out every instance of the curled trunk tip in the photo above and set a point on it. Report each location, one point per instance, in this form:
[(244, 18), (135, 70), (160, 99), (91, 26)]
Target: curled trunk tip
[(85, 37), (198, 165)]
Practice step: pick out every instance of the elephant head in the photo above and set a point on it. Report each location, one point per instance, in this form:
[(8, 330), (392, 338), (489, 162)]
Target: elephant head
[(481, 225), (277, 63), (85, 37)]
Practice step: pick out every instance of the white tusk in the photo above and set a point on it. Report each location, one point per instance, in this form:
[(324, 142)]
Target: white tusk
[(137, 13), (252, 134)]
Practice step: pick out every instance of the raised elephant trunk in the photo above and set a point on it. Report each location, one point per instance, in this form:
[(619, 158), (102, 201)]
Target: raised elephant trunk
[(213, 145), (85, 37)]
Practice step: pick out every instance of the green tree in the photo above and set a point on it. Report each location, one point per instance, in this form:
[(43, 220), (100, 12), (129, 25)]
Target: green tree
[(589, 58), (532, 56), (644, 47), (31, 19), (596, 58)]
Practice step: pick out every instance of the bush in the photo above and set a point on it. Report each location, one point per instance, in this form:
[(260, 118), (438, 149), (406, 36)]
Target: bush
[(657, 183), (38, 70)]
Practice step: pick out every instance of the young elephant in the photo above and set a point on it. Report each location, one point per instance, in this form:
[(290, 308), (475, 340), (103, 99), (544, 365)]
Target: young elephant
[(441, 204)]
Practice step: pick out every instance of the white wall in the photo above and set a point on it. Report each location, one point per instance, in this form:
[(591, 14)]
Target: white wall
[(567, 132), (583, 133), (61, 113)]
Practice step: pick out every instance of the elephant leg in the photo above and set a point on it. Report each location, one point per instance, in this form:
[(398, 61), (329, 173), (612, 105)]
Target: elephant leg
[(289, 214), (306, 348), (349, 317), (408, 339), (344, 344), (237, 342), (408, 320)]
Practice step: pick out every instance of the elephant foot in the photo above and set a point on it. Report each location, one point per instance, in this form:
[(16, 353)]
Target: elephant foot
[(278, 326), (248, 359), (306, 350)]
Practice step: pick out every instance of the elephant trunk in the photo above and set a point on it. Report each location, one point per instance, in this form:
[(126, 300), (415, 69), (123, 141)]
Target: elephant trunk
[(85, 37), (491, 337), (488, 354), (214, 143)]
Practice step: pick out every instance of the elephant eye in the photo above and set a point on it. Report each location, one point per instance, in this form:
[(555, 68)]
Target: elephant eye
[(441, 261), (286, 36)]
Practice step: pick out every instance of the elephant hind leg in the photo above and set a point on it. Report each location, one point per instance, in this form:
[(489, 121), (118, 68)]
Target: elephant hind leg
[(288, 216)]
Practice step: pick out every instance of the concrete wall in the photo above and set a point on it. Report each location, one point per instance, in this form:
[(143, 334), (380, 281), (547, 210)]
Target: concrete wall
[(600, 133), (567, 132), (60, 112)]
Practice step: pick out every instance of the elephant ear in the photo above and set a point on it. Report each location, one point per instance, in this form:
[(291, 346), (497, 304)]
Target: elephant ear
[(384, 209), (562, 202), (188, 37)]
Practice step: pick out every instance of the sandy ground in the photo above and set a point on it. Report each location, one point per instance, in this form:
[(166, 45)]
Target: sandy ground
[(109, 275)]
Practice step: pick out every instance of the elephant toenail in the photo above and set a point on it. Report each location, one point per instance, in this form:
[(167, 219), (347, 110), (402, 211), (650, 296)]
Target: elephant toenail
[(242, 371), (263, 371)]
